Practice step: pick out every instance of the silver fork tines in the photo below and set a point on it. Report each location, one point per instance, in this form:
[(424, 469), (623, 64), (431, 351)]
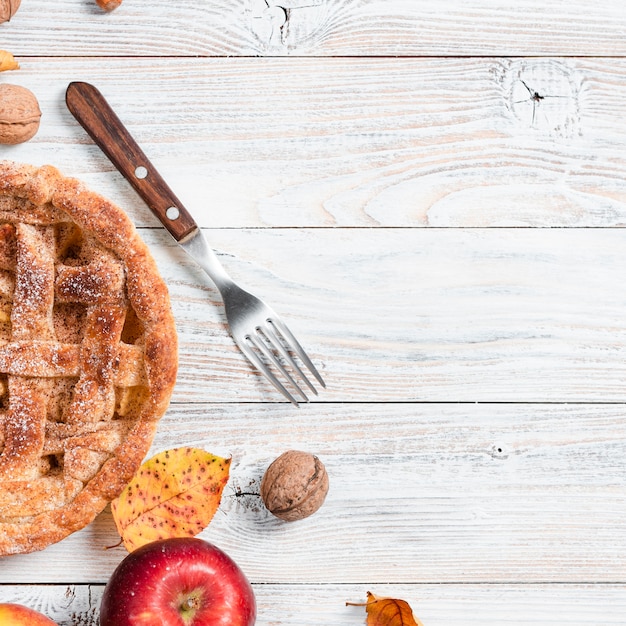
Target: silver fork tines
[(256, 349), (271, 347), (272, 344)]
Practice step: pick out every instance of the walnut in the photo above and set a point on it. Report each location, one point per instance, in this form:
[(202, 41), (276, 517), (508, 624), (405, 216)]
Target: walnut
[(19, 114), (8, 9), (294, 486)]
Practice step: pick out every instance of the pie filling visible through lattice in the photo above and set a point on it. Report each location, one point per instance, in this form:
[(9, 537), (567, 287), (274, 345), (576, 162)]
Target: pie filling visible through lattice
[(88, 355)]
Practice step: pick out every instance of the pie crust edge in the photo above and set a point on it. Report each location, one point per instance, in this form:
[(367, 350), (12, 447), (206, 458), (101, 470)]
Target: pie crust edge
[(149, 298)]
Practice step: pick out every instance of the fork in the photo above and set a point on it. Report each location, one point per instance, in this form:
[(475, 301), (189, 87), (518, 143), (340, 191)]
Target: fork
[(258, 331)]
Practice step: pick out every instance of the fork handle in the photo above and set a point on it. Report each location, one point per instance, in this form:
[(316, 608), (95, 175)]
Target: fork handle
[(97, 117)]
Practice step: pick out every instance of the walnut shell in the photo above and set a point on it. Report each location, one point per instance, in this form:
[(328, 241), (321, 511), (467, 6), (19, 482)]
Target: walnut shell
[(294, 486), (8, 8), (19, 114)]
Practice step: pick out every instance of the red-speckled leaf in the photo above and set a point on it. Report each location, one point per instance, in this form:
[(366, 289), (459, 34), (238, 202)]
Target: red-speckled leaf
[(388, 612), (173, 494)]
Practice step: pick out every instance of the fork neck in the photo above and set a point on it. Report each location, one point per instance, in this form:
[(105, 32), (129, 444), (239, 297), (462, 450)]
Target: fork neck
[(197, 247)]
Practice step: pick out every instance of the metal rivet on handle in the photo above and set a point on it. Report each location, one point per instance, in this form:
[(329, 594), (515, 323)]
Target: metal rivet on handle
[(172, 213)]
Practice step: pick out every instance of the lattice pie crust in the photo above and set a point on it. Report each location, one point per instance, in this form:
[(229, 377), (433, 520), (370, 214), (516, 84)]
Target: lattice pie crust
[(88, 355)]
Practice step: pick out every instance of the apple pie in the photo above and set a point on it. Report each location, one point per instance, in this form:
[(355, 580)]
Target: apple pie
[(88, 355)]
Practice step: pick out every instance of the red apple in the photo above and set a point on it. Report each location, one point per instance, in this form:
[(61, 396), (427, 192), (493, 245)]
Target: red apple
[(178, 582), (18, 615)]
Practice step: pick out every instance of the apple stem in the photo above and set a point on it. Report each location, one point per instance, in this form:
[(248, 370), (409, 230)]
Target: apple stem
[(117, 545), (190, 603)]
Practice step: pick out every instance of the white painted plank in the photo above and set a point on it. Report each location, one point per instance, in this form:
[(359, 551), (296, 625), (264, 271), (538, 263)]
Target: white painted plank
[(518, 315), (318, 27), (484, 498), (435, 605), (437, 493), (354, 142)]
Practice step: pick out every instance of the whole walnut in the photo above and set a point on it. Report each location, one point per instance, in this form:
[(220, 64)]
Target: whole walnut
[(19, 114), (8, 8), (294, 486)]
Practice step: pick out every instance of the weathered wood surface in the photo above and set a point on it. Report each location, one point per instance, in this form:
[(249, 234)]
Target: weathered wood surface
[(319, 27), (516, 315), (355, 142), (420, 493), (433, 195), (444, 605)]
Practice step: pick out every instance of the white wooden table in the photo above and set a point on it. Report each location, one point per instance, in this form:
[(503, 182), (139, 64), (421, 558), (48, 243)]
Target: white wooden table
[(432, 194)]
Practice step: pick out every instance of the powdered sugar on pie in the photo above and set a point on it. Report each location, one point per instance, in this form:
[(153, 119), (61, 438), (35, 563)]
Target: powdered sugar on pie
[(88, 355)]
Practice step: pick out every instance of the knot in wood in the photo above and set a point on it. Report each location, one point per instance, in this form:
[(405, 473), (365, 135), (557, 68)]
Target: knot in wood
[(287, 24), (543, 96)]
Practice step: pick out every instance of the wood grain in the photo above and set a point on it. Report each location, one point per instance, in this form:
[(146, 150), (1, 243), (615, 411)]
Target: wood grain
[(311, 605), (436, 493), (319, 27), (422, 315), (432, 195), (354, 142)]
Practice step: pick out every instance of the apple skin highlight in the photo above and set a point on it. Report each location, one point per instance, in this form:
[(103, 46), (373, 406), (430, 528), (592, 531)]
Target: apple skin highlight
[(18, 615), (178, 582)]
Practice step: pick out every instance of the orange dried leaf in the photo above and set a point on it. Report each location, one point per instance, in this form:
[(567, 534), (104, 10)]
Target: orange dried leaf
[(388, 612), (108, 5), (7, 61), (173, 494)]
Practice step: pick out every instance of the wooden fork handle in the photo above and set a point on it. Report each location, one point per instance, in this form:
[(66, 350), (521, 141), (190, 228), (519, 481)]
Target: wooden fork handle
[(96, 116)]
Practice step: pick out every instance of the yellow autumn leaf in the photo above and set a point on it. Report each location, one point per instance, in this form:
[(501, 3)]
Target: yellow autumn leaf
[(387, 612), (173, 494), (7, 61)]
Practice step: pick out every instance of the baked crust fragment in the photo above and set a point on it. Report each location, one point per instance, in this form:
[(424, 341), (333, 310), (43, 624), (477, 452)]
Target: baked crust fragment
[(88, 355)]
